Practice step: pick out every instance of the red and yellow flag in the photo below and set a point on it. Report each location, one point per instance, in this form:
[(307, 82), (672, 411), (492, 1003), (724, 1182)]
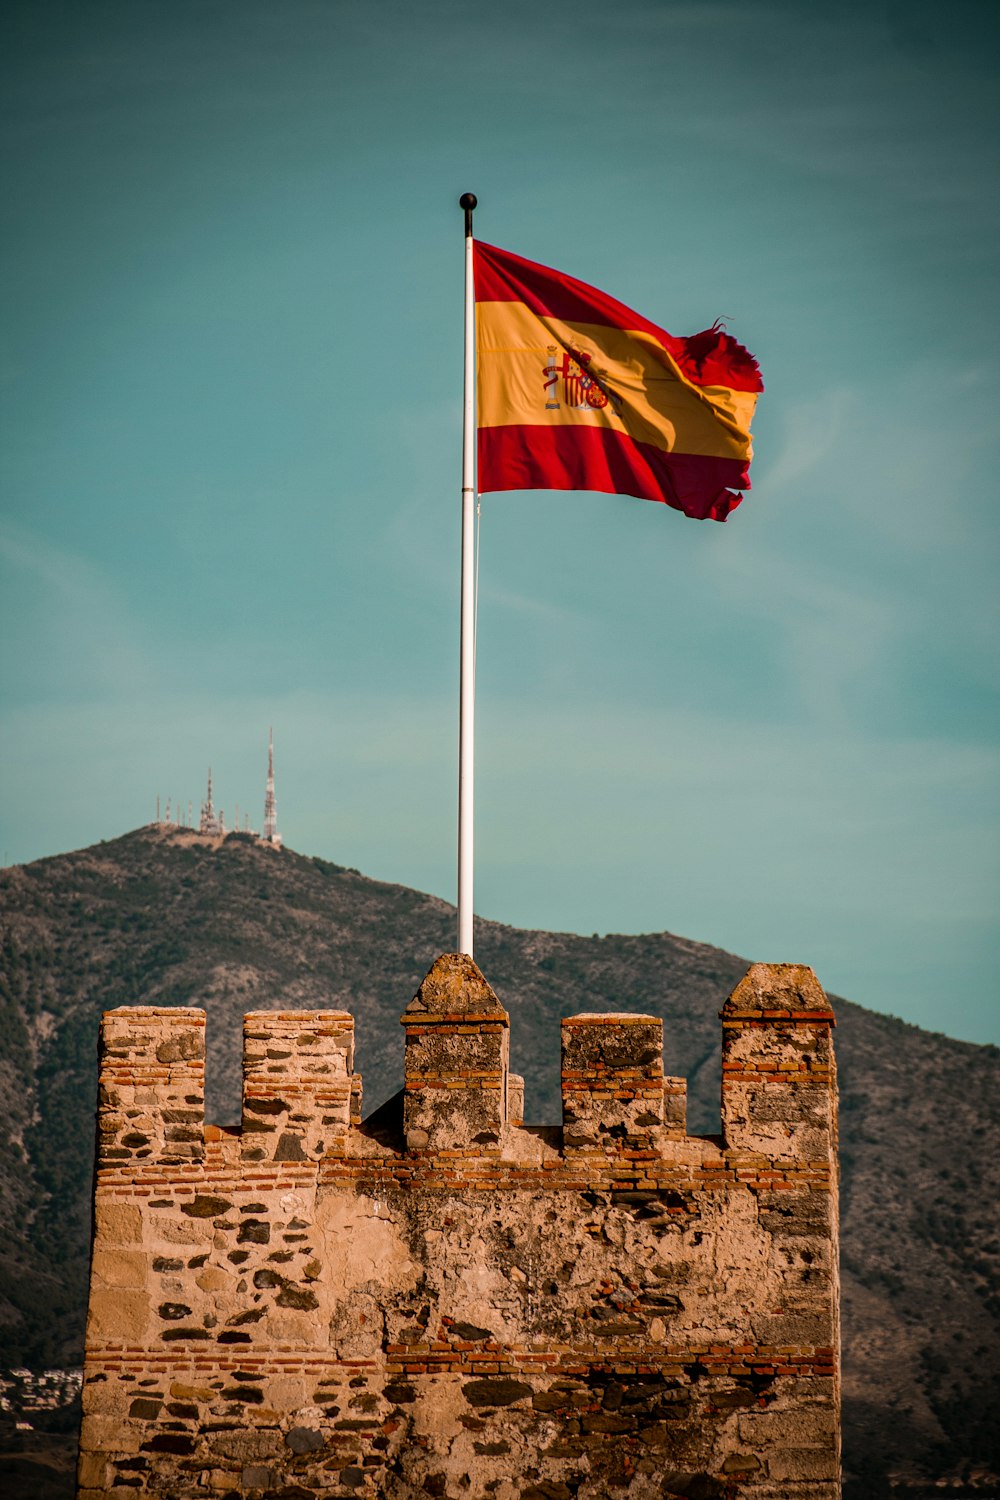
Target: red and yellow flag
[(577, 392)]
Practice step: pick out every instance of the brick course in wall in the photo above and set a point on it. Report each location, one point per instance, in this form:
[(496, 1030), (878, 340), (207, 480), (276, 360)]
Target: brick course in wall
[(443, 1301)]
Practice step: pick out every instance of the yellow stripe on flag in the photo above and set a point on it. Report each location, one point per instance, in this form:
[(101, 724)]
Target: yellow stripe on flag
[(522, 359)]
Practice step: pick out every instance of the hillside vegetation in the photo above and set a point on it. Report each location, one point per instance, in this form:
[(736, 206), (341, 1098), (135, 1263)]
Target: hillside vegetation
[(170, 918)]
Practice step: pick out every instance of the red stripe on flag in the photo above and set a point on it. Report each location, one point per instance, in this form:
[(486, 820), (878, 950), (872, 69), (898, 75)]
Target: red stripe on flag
[(712, 357), (598, 458)]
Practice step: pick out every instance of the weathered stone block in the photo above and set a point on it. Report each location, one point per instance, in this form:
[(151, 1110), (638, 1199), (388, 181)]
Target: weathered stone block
[(499, 1391), (298, 1081), (117, 1315), (778, 1094), (286, 1393), (675, 1107), (92, 1470), (792, 1326), (805, 1489), (151, 1088), (256, 1477), (120, 1268), (612, 1079), (809, 1426), (802, 1463), (101, 1435), (457, 1061), (246, 1446)]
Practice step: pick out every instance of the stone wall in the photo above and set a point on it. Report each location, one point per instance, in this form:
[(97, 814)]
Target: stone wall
[(444, 1301)]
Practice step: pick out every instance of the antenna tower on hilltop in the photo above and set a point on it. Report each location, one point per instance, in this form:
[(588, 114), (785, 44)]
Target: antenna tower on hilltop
[(209, 822), (271, 834)]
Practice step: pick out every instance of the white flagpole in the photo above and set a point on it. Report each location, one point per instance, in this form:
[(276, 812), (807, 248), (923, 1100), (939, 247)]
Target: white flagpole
[(467, 689)]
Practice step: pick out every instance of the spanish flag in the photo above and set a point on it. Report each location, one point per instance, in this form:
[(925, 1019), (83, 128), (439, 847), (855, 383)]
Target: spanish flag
[(577, 392)]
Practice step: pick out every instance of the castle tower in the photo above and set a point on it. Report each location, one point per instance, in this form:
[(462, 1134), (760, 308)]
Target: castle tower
[(442, 1301), (271, 834)]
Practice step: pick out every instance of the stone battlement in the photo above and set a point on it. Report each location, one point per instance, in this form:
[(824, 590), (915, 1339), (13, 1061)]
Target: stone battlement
[(441, 1300)]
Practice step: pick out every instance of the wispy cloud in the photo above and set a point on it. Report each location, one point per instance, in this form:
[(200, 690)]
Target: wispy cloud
[(66, 620), (811, 431)]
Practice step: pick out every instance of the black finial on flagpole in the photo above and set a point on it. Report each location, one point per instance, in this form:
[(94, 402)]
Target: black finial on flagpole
[(468, 201)]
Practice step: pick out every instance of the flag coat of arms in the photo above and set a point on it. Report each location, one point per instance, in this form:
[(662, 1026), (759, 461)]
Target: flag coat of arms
[(577, 391)]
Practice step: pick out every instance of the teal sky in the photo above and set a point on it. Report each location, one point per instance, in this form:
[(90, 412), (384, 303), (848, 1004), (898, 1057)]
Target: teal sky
[(231, 386)]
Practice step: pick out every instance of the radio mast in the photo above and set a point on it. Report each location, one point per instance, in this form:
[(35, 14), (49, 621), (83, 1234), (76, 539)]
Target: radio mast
[(271, 834), (209, 823)]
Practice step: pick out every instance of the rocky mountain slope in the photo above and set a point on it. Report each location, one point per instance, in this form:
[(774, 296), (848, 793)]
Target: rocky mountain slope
[(168, 917)]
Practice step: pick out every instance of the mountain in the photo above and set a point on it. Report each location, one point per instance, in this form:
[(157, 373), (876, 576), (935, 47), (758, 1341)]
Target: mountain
[(168, 917)]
